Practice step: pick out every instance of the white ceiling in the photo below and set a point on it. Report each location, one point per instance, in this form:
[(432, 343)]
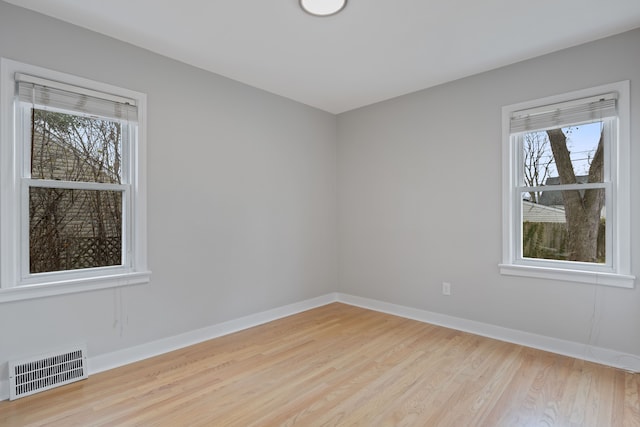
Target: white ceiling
[(373, 50)]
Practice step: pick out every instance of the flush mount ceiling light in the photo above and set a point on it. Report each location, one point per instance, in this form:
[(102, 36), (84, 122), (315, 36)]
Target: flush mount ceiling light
[(322, 7)]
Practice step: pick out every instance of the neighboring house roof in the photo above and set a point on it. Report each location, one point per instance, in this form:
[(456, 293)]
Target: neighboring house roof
[(533, 212), (554, 197)]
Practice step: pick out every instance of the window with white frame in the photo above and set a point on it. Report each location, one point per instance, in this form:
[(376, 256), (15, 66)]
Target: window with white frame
[(73, 202), (566, 187)]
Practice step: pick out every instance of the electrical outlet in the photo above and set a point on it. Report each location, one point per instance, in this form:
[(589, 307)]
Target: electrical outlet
[(446, 288)]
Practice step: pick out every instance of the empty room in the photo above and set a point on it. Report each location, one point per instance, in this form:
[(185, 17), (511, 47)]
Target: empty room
[(319, 213)]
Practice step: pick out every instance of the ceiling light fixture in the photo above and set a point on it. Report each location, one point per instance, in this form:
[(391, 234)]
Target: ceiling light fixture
[(322, 7)]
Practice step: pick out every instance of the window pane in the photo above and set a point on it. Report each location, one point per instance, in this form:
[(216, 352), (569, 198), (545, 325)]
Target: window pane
[(561, 154), (75, 148), (571, 228), (74, 229)]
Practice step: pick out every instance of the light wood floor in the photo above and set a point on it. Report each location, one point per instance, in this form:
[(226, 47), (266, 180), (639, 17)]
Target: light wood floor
[(339, 365)]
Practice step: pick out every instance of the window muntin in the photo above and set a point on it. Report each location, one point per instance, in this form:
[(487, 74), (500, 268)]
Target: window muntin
[(73, 184), (563, 188), (75, 219), (602, 114)]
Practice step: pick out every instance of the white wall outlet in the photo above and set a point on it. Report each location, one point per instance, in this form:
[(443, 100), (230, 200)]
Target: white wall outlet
[(446, 288)]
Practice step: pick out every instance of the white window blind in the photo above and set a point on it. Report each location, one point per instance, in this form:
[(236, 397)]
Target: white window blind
[(53, 94), (581, 111)]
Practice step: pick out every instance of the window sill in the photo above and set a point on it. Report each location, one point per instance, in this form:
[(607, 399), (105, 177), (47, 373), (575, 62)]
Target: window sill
[(588, 277), (73, 286)]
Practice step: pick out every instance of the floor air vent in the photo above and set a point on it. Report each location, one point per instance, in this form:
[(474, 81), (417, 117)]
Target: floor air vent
[(47, 371)]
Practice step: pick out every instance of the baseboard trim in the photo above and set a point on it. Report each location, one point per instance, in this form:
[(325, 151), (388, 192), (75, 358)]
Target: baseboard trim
[(144, 351), (625, 361), (603, 356)]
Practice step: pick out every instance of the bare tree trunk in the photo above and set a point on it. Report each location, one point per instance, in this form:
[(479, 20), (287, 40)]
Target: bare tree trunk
[(582, 212)]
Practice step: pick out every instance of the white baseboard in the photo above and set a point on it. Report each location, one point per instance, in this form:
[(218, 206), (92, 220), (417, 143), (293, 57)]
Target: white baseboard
[(616, 359), (129, 355), (627, 362), (144, 351)]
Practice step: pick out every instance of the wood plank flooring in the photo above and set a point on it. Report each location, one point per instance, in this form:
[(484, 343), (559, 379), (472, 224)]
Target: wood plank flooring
[(339, 365)]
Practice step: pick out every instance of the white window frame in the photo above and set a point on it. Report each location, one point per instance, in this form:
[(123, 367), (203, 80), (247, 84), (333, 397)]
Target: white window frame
[(617, 270), (15, 281)]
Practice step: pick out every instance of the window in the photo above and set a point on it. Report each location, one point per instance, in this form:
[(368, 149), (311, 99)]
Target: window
[(72, 196), (566, 187)]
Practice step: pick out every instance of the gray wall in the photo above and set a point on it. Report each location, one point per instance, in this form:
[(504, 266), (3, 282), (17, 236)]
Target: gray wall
[(420, 201), (241, 202), (248, 193)]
